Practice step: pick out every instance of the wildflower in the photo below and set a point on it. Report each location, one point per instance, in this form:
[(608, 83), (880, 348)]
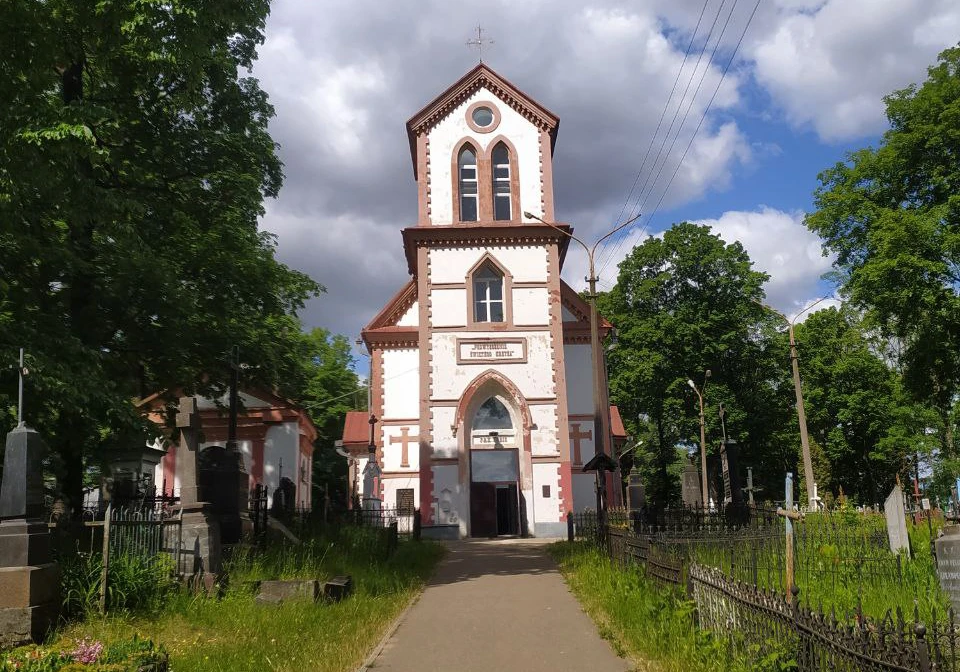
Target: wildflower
[(87, 651)]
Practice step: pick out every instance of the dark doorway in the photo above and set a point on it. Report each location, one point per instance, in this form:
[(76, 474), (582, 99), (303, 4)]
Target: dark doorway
[(483, 510), (507, 518)]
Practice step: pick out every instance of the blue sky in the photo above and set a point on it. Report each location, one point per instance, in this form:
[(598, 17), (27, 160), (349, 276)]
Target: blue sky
[(805, 88)]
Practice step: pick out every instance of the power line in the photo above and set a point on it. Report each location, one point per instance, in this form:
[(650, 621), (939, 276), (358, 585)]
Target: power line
[(652, 184), (663, 112), (326, 402), (676, 113), (704, 115)]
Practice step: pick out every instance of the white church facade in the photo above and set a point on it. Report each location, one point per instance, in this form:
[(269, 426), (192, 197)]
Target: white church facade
[(482, 410)]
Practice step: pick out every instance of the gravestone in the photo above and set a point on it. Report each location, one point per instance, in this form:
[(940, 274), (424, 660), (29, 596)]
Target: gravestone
[(732, 494), (690, 486), (896, 516), (635, 493), (948, 563), (201, 557), (29, 579)]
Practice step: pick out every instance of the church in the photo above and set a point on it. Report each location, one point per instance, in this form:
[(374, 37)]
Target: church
[(482, 409)]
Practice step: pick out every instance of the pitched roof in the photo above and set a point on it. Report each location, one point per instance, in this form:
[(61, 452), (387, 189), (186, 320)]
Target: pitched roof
[(356, 429), (578, 306), (616, 424), (396, 307), (480, 77)]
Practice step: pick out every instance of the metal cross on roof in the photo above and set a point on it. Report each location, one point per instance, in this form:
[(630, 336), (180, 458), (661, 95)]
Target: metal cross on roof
[(479, 42)]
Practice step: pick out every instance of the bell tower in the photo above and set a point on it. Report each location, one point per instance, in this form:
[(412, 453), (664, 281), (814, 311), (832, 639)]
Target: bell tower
[(482, 153)]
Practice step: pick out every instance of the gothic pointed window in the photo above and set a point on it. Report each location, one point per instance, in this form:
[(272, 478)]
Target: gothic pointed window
[(492, 415), (501, 183), (487, 295), (467, 168)]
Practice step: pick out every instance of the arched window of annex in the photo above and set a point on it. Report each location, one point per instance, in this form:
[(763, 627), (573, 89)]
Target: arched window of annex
[(501, 180), (488, 290), (467, 184)]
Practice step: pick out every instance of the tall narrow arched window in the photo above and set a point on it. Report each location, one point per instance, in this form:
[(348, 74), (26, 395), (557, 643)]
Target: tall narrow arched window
[(487, 295), (467, 167), (501, 183)]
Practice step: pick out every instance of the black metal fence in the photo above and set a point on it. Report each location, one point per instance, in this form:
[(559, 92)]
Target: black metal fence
[(757, 621), (406, 520), (723, 573)]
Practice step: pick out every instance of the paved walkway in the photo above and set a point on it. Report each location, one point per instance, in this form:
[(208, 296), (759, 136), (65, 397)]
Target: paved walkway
[(497, 606)]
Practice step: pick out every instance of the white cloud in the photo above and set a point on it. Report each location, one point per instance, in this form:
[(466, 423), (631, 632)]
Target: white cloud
[(829, 64), (781, 246), (344, 81), (778, 244)]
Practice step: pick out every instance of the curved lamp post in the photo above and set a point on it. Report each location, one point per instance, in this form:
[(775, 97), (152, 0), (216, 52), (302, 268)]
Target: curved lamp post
[(599, 413)]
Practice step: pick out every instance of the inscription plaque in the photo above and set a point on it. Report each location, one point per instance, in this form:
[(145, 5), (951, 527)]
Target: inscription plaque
[(948, 563), (486, 350)]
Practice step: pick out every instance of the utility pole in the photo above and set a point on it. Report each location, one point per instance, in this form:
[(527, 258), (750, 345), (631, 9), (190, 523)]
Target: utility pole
[(601, 415), (808, 478)]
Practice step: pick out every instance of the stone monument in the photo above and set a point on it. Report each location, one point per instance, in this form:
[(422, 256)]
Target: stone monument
[(896, 516), (690, 486), (29, 579), (200, 558), (948, 563)]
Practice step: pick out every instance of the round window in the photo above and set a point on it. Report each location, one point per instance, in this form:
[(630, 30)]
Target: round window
[(482, 116)]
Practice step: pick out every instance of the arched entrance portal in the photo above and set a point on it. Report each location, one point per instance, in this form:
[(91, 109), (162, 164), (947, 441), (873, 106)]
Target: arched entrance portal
[(494, 464)]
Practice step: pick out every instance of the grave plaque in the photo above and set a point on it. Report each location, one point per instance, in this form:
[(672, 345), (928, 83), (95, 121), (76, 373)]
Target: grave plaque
[(948, 563), (896, 516), (690, 486)]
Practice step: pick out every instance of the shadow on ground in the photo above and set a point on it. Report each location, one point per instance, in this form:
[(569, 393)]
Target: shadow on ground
[(474, 558)]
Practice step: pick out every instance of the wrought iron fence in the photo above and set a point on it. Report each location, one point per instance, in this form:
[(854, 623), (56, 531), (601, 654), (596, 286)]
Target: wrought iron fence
[(405, 519), (735, 578), (757, 620)]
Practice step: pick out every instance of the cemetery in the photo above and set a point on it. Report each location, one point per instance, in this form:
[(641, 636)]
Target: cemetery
[(732, 446)]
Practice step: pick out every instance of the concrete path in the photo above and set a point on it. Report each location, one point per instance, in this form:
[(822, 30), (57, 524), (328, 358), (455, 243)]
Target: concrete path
[(497, 606)]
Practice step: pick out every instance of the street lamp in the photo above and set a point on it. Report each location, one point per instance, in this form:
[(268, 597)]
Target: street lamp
[(599, 413), (801, 415), (703, 437)]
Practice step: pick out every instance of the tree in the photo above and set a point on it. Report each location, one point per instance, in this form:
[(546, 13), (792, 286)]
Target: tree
[(891, 214), (854, 403), (330, 388), (682, 304), (134, 160)]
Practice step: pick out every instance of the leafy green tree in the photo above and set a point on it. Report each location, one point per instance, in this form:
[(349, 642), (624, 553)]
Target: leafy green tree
[(134, 160), (330, 389), (857, 411), (685, 303), (891, 214)]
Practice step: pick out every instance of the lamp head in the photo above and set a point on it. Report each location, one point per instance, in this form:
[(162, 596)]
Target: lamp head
[(691, 384), (707, 373)]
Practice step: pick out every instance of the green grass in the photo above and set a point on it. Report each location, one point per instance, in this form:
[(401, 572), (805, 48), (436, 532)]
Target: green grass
[(234, 634), (649, 625), (843, 562)]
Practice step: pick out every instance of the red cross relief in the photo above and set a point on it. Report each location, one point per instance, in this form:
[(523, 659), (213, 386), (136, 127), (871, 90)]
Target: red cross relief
[(576, 436), (405, 440)]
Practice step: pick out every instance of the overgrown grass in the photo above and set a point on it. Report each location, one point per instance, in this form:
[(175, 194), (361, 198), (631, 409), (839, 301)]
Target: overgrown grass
[(646, 623), (843, 563), (233, 633)]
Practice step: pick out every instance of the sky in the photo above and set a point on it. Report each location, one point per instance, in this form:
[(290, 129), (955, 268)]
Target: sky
[(721, 113)]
